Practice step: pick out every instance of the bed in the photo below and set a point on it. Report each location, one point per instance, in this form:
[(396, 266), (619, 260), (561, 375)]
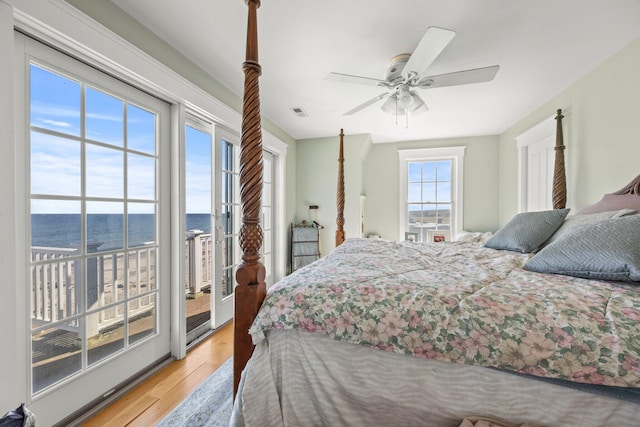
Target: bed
[(537, 324)]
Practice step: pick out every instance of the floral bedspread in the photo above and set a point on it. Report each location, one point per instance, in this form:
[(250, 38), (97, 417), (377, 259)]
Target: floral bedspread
[(463, 303)]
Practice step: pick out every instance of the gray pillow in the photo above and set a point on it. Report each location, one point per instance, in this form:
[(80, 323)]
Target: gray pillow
[(605, 250), (527, 231), (572, 221)]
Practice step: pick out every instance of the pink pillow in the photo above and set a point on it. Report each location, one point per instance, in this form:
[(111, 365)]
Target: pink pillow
[(613, 202)]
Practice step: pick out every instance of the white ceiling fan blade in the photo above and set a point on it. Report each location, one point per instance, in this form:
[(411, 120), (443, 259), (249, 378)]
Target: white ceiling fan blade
[(348, 78), (366, 104), (432, 44), (476, 75)]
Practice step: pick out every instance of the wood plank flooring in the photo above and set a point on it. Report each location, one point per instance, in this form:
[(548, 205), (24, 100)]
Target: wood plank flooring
[(147, 403)]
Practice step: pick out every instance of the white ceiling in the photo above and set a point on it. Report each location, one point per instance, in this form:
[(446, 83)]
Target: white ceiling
[(541, 46)]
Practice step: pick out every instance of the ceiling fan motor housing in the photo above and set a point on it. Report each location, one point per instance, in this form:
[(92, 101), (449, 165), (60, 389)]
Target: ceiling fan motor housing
[(394, 73)]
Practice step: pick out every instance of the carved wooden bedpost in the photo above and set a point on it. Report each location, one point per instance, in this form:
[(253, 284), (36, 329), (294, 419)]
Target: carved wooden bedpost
[(559, 193), (340, 194), (251, 289)]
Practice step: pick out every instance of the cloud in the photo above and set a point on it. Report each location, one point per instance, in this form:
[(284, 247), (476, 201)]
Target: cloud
[(56, 123)]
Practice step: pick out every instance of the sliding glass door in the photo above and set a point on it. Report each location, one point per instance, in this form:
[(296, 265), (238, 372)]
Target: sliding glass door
[(98, 211)]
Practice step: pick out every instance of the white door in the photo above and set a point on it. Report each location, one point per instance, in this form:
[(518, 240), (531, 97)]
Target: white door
[(227, 223), (97, 222), (540, 163), (536, 158)]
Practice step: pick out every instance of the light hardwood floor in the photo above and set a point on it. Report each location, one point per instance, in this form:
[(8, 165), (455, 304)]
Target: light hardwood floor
[(147, 403)]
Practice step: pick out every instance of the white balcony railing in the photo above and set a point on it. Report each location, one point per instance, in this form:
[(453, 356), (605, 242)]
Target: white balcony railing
[(56, 273)]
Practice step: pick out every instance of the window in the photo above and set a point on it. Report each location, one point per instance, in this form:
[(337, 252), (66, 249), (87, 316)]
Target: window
[(430, 193)]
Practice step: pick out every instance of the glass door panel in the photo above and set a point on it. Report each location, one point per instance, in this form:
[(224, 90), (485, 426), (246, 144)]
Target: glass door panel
[(227, 202), (199, 241)]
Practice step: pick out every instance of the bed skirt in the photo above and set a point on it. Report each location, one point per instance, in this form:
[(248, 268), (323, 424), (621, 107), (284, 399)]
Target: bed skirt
[(298, 378)]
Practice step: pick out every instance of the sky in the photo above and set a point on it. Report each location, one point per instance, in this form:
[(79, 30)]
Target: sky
[(56, 149)]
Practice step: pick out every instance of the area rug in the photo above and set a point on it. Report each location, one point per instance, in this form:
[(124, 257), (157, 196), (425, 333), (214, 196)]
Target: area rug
[(208, 405)]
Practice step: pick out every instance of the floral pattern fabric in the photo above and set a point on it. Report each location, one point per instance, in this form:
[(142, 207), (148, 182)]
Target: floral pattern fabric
[(463, 303)]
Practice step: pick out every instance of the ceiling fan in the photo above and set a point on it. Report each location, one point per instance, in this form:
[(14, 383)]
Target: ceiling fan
[(407, 71)]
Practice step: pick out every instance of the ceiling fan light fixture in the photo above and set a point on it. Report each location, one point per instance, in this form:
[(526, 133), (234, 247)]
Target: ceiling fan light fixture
[(418, 106), (405, 98), (391, 106)]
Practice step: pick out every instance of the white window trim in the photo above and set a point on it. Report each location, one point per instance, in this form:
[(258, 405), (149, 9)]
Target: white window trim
[(456, 154), (279, 150)]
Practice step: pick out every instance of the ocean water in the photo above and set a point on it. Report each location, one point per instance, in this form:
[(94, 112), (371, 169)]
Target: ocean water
[(105, 230)]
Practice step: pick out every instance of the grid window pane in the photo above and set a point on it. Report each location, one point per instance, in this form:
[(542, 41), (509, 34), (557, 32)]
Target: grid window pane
[(415, 173), (444, 191), (104, 117), (414, 192), (428, 171), (142, 322), (62, 342), (444, 170), (141, 224), (55, 165), (108, 341), (105, 226), (104, 171), (429, 192), (141, 178), (55, 101), (141, 125), (429, 197)]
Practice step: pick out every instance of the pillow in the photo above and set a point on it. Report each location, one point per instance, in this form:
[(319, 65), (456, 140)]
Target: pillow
[(612, 202), (572, 221), (527, 231), (605, 250)]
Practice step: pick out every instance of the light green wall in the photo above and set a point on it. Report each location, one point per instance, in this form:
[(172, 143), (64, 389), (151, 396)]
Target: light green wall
[(480, 184), (602, 133), (372, 170), (317, 180)]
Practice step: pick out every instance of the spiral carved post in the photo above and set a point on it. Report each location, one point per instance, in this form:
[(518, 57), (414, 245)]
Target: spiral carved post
[(251, 289), (559, 192), (340, 194)]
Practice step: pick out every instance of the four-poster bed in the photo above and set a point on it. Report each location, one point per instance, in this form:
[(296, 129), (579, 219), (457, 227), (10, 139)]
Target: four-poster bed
[(386, 333)]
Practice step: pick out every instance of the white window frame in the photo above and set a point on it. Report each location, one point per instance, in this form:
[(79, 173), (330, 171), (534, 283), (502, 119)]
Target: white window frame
[(456, 155)]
